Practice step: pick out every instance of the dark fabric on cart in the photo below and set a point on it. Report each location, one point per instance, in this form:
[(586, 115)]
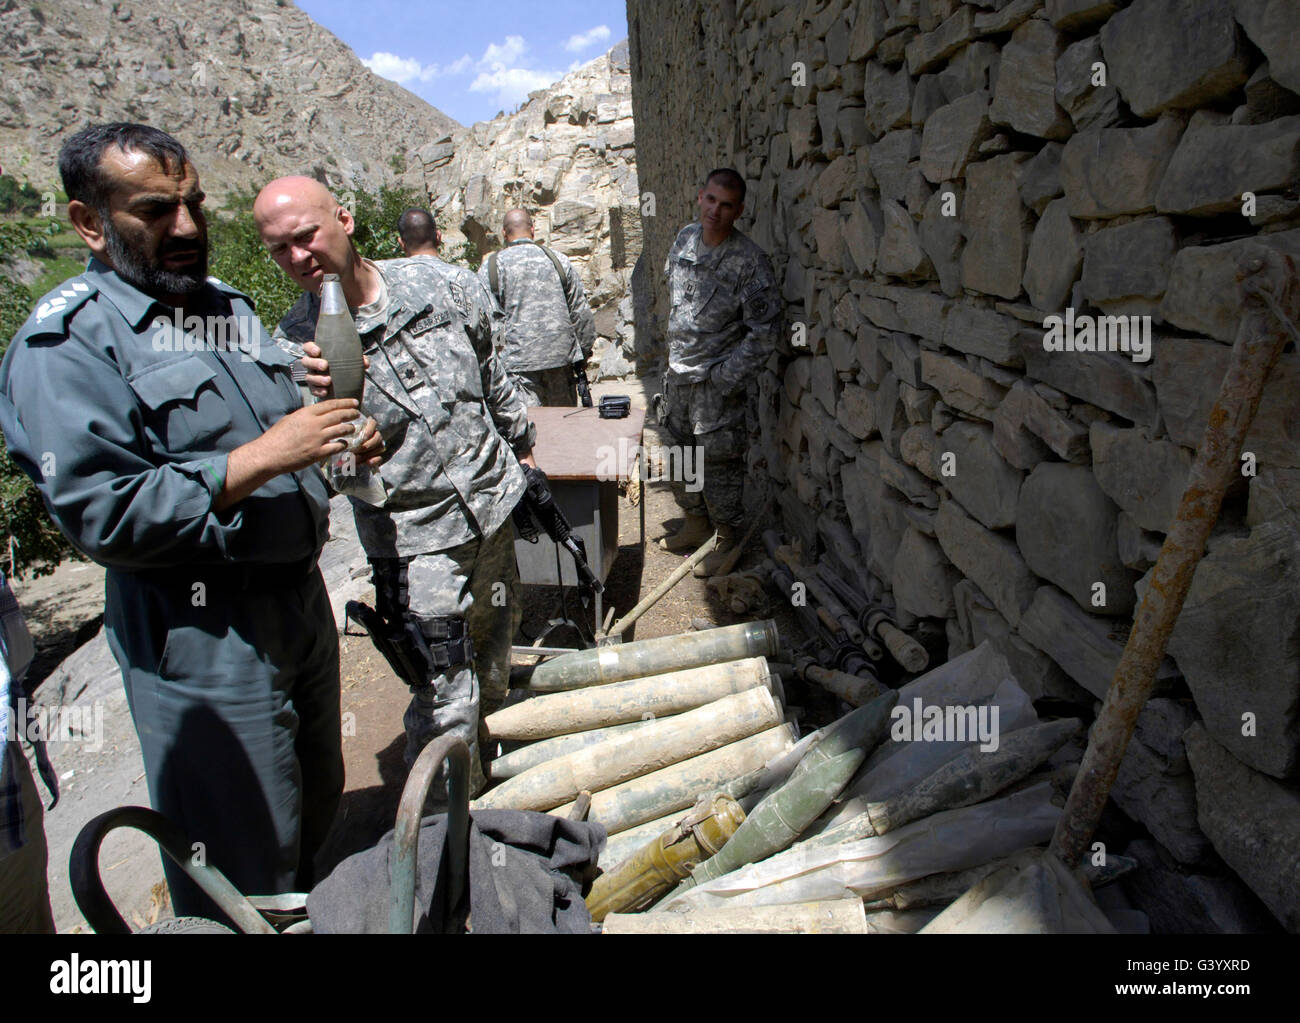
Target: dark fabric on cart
[(527, 875)]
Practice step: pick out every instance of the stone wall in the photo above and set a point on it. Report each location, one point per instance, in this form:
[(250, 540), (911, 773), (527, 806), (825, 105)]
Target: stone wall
[(569, 157), (933, 180)]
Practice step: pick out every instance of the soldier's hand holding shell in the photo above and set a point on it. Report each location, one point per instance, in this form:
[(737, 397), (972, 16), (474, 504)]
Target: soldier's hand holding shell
[(318, 369)]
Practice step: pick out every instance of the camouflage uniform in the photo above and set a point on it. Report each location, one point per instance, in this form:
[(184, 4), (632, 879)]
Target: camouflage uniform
[(449, 416), (723, 322), (544, 334)]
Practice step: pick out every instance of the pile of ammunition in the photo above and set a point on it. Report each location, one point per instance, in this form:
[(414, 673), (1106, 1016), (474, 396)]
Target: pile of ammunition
[(722, 820)]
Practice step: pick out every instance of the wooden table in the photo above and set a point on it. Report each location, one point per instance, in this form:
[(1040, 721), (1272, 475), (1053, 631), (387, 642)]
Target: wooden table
[(585, 458)]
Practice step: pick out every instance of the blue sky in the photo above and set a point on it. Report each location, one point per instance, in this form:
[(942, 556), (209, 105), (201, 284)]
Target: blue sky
[(471, 60)]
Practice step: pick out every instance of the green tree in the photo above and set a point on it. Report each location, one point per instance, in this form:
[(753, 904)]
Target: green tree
[(15, 198)]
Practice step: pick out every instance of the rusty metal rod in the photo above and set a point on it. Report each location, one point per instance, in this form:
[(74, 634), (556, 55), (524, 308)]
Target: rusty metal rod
[(1267, 280), (652, 598)]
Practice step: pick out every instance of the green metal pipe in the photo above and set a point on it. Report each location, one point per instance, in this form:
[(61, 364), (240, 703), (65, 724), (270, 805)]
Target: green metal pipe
[(406, 833)]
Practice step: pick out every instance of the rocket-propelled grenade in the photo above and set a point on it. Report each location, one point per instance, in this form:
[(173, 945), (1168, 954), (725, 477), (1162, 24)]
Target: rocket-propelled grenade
[(340, 346), (782, 816)]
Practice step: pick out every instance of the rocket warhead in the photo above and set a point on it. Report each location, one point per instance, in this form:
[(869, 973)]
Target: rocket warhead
[(860, 730), (974, 775), (784, 814)]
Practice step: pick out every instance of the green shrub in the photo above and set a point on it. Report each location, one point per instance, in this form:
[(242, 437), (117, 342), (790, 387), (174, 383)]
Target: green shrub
[(25, 528)]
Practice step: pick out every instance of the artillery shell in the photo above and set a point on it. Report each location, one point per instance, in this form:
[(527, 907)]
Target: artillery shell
[(656, 696), (643, 751), (676, 788), (654, 656)]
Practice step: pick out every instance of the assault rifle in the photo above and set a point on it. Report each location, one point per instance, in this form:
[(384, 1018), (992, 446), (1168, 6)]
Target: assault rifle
[(538, 507)]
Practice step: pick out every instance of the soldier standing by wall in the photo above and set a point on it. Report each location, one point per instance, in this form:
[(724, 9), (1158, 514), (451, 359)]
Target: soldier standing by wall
[(549, 331), (442, 548), (724, 316), (188, 471)]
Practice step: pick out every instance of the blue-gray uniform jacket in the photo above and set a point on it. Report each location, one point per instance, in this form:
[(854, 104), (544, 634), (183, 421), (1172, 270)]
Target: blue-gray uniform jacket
[(125, 422)]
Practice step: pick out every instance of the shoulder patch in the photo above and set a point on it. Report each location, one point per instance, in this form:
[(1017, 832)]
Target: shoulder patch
[(458, 296), (56, 307)]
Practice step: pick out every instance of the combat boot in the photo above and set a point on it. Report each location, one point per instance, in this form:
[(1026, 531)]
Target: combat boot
[(693, 532), (728, 536)]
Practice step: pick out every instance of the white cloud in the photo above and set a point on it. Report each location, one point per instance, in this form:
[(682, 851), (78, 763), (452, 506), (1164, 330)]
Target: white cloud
[(407, 69), (583, 40), (507, 53), (396, 69), (512, 85)]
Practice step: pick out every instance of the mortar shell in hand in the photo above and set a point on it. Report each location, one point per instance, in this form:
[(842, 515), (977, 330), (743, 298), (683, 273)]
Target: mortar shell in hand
[(339, 342)]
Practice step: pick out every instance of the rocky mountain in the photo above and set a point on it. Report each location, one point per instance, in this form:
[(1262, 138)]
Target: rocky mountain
[(568, 156), (254, 87)]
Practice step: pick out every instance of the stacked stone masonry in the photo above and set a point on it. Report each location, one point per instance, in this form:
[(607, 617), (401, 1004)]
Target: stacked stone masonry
[(933, 180)]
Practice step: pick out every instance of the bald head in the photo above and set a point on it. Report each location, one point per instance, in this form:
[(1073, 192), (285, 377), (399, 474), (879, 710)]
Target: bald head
[(517, 224), (306, 231), (299, 191)]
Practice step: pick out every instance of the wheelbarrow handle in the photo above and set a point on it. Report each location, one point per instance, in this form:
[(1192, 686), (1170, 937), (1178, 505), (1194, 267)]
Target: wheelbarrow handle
[(88, 886), (406, 833)]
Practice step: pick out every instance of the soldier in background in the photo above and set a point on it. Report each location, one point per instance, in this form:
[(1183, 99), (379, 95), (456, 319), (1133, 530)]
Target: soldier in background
[(549, 330), (418, 233), (442, 548), (722, 326)]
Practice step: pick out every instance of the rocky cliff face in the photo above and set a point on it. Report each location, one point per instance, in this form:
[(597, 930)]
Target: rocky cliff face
[(935, 179), (254, 87), (569, 157)]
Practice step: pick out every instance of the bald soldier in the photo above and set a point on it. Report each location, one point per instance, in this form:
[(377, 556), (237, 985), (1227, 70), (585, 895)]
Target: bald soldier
[(184, 464), (441, 548), (549, 330)]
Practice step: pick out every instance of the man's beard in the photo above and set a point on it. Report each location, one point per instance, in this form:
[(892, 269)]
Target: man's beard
[(139, 267)]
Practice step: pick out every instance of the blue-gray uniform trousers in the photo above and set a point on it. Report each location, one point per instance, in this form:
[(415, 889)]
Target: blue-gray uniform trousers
[(232, 677)]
